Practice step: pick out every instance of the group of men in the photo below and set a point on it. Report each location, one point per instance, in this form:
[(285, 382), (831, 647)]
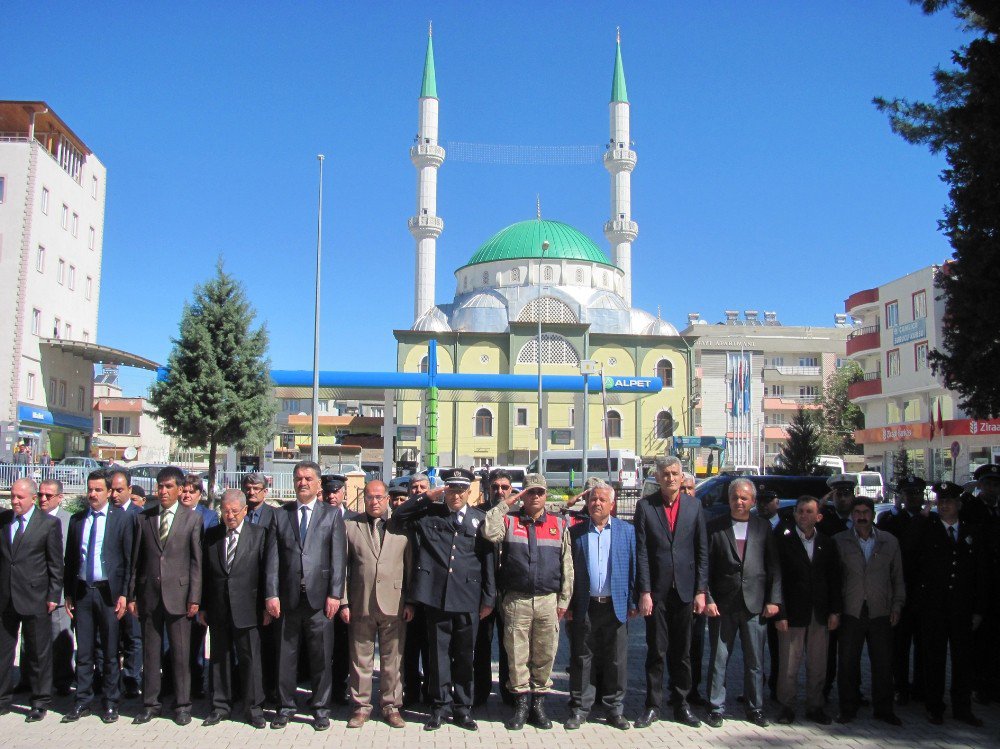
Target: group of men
[(310, 586)]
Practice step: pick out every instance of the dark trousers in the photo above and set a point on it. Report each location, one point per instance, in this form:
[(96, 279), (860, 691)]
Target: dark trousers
[(305, 628), (772, 652), (341, 660), (451, 639), (62, 651), (178, 634), (483, 660), (668, 638), (943, 628), (854, 633), (598, 641), (986, 645), (270, 640), (131, 648), (197, 657), (699, 624), (414, 651), (37, 635), (245, 643), (723, 631), (96, 632), (906, 638)]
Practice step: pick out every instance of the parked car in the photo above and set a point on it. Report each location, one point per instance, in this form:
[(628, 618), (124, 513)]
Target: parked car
[(74, 469), (870, 485), (144, 475), (714, 493)]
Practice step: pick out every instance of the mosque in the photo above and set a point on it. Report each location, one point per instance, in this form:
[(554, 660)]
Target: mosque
[(538, 269)]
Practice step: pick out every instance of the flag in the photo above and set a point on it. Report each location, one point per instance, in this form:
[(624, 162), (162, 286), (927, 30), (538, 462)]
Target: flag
[(940, 422), (930, 423)]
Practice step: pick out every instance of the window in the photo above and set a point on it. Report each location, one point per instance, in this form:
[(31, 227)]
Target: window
[(891, 314), (920, 356), (892, 363), (31, 385), (61, 271), (919, 304), (808, 361), (778, 361), (116, 424), (665, 371), (423, 366), (62, 393), (86, 337), (486, 277), (75, 225), (290, 404), (89, 287), (515, 275), (69, 331), (64, 219), (71, 281), (484, 423), (664, 425), (36, 321), (93, 187), (547, 274), (808, 391), (81, 398), (57, 328), (614, 422), (776, 391), (572, 416), (53, 390), (579, 275), (40, 259), (521, 417), (92, 238), (45, 201)]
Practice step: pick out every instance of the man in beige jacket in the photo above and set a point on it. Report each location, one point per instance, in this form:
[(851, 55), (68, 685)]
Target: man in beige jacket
[(378, 571)]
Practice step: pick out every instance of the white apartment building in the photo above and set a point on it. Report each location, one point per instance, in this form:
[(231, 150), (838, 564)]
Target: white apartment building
[(905, 405)]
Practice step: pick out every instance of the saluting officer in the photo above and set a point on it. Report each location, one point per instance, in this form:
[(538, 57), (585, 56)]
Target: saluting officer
[(951, 586)]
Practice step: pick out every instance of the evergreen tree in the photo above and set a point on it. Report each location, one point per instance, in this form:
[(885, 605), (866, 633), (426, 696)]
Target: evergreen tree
[(798, 454), (217, 389), (901, 464), (840, 418), (964, 125)]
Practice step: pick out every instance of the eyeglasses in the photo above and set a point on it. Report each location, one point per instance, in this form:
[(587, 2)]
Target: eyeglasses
[(502, 487), (376, 497), (44, 495), (253, 489)]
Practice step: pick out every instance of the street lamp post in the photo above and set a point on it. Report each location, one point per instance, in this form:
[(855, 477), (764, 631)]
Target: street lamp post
[(538, 311), (319, 256)]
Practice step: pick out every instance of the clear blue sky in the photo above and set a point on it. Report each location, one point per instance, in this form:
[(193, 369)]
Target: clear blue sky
[(766, 179)]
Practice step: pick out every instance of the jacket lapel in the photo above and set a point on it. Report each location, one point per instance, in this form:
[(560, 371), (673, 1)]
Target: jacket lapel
[(29, 529), (661, 514), (732, 540)]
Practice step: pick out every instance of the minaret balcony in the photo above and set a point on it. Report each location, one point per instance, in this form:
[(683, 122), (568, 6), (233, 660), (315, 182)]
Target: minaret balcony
[(620, 159), (422, 227), (427, 154), (621, 230)]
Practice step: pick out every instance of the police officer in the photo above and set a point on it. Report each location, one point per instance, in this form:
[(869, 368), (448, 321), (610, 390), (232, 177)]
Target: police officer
[(952, 590), (454, 580), (984, 507)]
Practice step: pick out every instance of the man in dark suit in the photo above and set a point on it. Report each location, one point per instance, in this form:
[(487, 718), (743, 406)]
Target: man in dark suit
[(237, 557), (334, 494), (31, 571), (672, 578), (604, 599), (305, 594), (165, 592), (260, 513), (744, 591), (191, 497), (129, 630), (454, 580), (810, 584), (97, 569), (415, 651)]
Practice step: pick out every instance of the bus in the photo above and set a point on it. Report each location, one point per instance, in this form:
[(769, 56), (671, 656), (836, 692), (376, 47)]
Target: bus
[(565, 468)]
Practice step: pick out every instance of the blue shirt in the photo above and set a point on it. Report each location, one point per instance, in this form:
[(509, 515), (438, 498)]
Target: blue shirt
[(599, 559), (14, 526), (101, 518), (867, 546)]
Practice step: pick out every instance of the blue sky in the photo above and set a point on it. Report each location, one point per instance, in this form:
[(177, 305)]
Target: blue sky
[(765, 177)]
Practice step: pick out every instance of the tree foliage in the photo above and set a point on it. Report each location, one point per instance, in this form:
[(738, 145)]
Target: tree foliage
[(217, 390), (964, 124), (838, 416), (901, 468), (799, 453)]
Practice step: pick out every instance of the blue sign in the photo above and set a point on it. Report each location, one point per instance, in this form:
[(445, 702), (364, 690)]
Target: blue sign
[(36, 415), (719, 442), (911, 331)]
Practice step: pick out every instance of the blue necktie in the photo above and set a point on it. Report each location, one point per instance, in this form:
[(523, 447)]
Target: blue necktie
[(304, 525), (91, 547)]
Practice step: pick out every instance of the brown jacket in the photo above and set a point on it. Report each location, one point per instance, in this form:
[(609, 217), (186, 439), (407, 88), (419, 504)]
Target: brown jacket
[(879, 581), (170, 573), (376, 584)]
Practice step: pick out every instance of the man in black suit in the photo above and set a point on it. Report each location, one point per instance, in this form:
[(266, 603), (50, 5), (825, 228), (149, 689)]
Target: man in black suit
[(50, 497), (744, 591), (334, 494), (415, 651), (454, 580), (129, 631), (237, 558), (672, 579), (260, 513), (305, 594), (98, 565), (31, 571), (810, 584)]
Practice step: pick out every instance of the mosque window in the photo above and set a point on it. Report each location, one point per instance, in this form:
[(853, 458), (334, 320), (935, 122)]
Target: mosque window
[(515, 275), (553, 311), (614, 422), (665, 371), (579, 275), (555, 350), (547, 274), (664, 425), (486, 277), (484, 423), (423, 365)]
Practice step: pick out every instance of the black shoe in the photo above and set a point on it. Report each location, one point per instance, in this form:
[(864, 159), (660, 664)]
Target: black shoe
[(35, 714), (258, 721), (891, 718), (966, 716), (145, 716), (714, 719), (321, 723), (520, 717), (902, 697), (648, 718), (575, 720), (618, 721), (695, 698), (786, 717), (935, 719), (109, 715), (214, 718), (279, 721), (77, 712), (538, 718), (818, 716), (844, 718), (434, 722), (132, 691), (683, 714), (758, 718), (182, 717), (465, 721)]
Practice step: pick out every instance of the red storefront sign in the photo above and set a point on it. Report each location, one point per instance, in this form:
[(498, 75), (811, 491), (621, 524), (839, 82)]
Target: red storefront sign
[(922, 431)]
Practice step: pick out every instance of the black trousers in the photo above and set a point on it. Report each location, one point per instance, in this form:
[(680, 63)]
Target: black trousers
[(699, 624), (308, 628), (96, 633), (228, 640), (772, 652), (668, 639), (483, 661), (270, 639), (197, 657), (131, 648), (415, 651), (451, 639), (854, 633), (986, 645), (598, 641), (178, 633), (341, 660), (37, 635), (907, 639), (943, 628)]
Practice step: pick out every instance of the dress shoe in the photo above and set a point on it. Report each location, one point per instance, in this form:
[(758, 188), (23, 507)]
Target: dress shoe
[(618, 721), (683, 715), (465, 721), (695, 698), (818, 716), (182, 717), (714, 719), (575, 720), (935, 719), (109, 715), (77, 712), (35, 714), (257, 721), (321, 723), (758, 718), (649, 716), (146, 715), (538, 717), (786, 717), (394, 719), (434, 721), (214, 718), (279, 721), (358, 719), (891, 718), (966, 716)]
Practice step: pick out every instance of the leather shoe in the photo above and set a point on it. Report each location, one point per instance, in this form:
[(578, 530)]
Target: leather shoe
[(394, 719), (258, 721), (619, 722), (110, 715), (214, 718), (75, 713), (145, 716), (575, 720), (818, 716), (968, 718), (758, 718), (182, 717), (714, 719), (321, 723), (464, 720), (786, 717), (358, 719), (935, 719), (683, 714), (279, 721), (845, 718), (35, 714), (891, 718), (434, 721), (648, 718)]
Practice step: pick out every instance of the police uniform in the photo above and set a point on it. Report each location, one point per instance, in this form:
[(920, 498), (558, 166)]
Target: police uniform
[(951, 588), (453, 579)]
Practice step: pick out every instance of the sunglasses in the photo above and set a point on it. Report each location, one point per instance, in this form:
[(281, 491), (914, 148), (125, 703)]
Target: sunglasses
[(502, 487)]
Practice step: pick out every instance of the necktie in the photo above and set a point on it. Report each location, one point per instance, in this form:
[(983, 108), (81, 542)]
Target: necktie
[(164, 526), (951, 533), (91, 548), (457, 520), (231, 550), (19, 531), (377, 535), (303, 525)]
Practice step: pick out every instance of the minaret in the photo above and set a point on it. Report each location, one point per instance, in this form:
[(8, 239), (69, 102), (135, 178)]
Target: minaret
[(427, 156), (619, 160)]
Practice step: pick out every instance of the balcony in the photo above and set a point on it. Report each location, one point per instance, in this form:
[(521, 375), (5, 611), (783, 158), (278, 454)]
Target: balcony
[(869, 385), (780, 371), (427, 154), (775, 432), (791, 402), (425, 226), (860, 300), (868, 338)]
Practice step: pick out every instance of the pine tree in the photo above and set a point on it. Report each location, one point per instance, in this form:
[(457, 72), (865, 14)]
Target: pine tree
[(798, 454), (217, 390), (901, 464)]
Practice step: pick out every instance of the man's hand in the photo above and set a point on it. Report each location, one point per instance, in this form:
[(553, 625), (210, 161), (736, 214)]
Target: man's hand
[(52, 606), (485, 611), (893, 618), (977, 619), (781, 625), (699, 603), (133, 609), (435, 495), (712, 610), (560, 613), (771, 610), (832, 622), (120, 607), (645, 604), (332, 606), (514, 498), (267, 618), (192, 610), (345, 614), (69, 608), (582, 495), (273, 607), (408, 612)]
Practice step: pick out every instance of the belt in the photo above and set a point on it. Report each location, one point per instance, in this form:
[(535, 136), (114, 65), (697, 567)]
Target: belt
[(600, 599)]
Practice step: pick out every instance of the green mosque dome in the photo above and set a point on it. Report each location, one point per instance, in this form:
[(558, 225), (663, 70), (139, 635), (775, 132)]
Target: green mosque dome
[(524, 240)]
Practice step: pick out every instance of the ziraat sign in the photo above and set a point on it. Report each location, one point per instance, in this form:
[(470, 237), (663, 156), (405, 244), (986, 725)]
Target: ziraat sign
[(983, 427), (896, 433)]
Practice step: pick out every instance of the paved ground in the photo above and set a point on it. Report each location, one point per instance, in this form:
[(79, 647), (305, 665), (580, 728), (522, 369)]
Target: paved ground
[(162, 733)]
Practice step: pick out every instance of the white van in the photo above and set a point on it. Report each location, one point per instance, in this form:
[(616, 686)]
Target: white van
[(869, 485), (563, 465), (829, 465)]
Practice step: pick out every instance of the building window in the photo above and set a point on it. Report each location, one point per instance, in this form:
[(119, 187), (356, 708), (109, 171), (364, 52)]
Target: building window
[(69, 331), (75, 225), (62, 393), (614, 422), (778, 361), (892, 363), (579, 275), (919, 304), (572, 416), (423, 366), (775, 391), (45, 201), (36, 321), (116, 424), (291, 405), (61, 271), (484, 423), (547, 274), (57, 328), (555, 350), (808, 392), (515, 275), (3, 188), (64, 219), (31, 385), (486, 277), (82, 398), (53, 390), (891, 314), (40, 260), (808, 361), (92, 238), (89, 287), (71, 281), (664, 425), (86, 337), (521, 417), (665, 371), (93, 187), (920, 356)]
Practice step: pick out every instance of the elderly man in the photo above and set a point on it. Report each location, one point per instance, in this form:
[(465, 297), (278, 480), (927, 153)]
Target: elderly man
[(31, 573), (238, 557), (672, 579), (379, 567), (688, 483), (454, 580), (744, 591), (536, 577), (415, 652), (871, 568), (604, 599)]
